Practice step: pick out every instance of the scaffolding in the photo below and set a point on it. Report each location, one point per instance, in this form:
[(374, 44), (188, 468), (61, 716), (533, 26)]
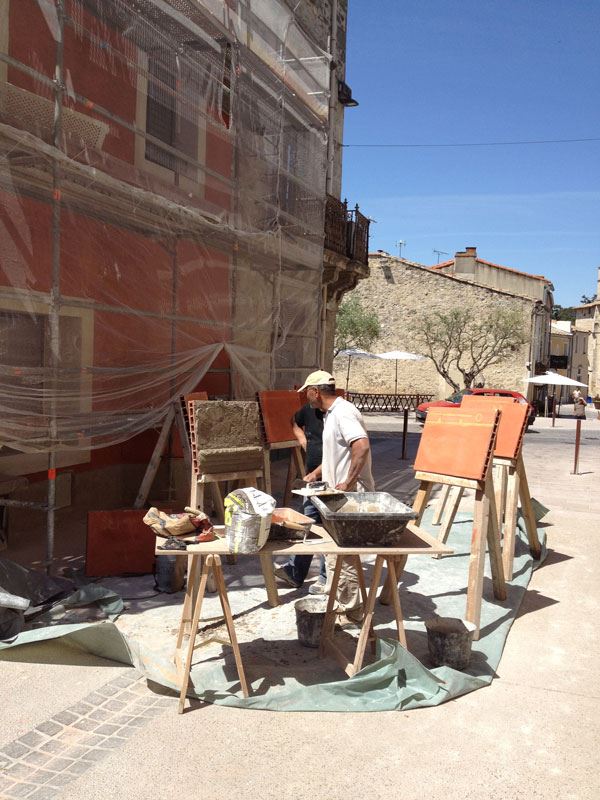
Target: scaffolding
[(162, 201)]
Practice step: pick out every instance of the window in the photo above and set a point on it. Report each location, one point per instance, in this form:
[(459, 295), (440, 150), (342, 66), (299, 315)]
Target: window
[(25, 345)]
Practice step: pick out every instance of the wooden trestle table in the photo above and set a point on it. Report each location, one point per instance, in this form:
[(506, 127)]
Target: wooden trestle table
[(205, 559)]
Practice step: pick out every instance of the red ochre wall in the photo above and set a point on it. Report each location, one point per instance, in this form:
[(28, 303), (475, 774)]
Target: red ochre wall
[(110, 265)]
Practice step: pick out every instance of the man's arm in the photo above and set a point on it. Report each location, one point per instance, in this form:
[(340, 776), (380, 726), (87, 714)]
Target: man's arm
[(314, 475), (299, 434), (359, 452)]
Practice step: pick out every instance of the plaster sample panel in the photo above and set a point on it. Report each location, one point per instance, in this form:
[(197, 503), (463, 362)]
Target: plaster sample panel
[(513, 421), (278, 409), (457, 443), (226, 424)]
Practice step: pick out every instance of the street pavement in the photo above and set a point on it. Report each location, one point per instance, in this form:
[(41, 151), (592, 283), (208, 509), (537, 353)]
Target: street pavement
[(74, 725)]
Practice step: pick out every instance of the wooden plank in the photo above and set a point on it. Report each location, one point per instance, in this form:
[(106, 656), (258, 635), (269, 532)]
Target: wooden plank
[(369, 611), (477, 559), (266, 565), (441, 505), (494, 549), (500, 486), (436, 477), (329, 621), (510, 522), (528, 513), (187, 663), (396, 597), (449, 516), (223, 597), (217, 477)]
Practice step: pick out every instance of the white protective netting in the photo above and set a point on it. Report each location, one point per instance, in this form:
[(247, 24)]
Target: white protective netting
[(162, 186)]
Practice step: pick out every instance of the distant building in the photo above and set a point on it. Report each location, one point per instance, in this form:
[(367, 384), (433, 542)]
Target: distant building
[(399, 290), (586, 347), (561, 353)]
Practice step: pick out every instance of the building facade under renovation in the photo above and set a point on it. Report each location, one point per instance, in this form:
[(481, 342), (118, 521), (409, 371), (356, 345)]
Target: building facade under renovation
[(167, 168)]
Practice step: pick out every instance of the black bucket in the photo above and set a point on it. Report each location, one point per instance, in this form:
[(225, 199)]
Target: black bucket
[(449, 640), (310, 615)]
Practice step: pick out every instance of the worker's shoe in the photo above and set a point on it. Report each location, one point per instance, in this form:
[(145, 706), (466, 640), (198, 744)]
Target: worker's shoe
[(318, 587), (283, 575)]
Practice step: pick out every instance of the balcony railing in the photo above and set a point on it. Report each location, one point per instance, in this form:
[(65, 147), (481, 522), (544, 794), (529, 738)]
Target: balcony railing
[(346, 231)]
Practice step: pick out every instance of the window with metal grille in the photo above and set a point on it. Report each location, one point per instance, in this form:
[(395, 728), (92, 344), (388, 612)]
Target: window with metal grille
[(161, 115)]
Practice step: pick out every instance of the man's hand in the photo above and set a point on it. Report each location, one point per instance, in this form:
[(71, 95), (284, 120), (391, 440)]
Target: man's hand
[(312, 476)]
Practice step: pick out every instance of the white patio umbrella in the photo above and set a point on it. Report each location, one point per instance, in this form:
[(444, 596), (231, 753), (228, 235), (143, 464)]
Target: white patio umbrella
[(354, 352), (399, 355), (552, 379)]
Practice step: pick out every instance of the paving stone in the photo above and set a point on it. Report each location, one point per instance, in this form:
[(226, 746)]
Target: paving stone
[(125, 681), (128, 696), (44, 793), (94, 699), (61, 780), (53, 746), (107, 729), (165, 702), (50, 728), (82, 709), (108, 690), (95, 755), (79, 767), (5, 783), (58, 764), (20, 790), (92, 741), (114, 705), (127, 733), (37, 758), (113, 743), (85, 724), (122, 719), (19, 770), (14, 750), (32, 739), (41, 776), (75, 752), (138, 721), (65, 717), (100, 715)]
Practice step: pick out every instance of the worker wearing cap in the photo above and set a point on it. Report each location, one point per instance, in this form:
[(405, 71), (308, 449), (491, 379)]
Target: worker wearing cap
[(346, 466)]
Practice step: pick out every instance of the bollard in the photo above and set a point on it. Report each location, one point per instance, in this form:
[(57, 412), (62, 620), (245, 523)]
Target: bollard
[(577, 441)]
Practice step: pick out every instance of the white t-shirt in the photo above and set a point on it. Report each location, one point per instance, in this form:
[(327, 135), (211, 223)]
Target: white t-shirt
[(343, 425)]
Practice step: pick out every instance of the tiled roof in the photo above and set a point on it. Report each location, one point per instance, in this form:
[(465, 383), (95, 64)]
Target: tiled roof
[(496, 266)]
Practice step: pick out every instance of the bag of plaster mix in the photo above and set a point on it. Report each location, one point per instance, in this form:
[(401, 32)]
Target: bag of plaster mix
[(247, 519)]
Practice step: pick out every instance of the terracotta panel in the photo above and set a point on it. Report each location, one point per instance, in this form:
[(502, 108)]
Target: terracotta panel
[(457, 443), (119, 542), (277, 409), (513, 421)]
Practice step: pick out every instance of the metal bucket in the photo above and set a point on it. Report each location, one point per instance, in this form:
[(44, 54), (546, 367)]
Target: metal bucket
[(449, 640), (310, 615)]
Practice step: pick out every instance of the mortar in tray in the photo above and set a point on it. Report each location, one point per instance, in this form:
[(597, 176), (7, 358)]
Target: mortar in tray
[(364, 519)]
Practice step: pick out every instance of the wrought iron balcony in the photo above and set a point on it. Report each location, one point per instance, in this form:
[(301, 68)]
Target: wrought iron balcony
[(346, 231)]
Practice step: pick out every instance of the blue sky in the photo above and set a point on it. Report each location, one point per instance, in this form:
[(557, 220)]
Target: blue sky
[(464, 71)]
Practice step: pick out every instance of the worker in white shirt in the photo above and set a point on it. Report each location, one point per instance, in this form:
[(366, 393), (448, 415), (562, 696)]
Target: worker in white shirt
[(346, 466)]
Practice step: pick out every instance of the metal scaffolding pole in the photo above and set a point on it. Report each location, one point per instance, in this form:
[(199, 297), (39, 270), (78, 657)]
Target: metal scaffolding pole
[(55, 294)]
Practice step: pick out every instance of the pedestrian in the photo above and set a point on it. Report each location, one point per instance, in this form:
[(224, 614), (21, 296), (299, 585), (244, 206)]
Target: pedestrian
[(579, 407), (308, 430), (576, 395), (346, 466)]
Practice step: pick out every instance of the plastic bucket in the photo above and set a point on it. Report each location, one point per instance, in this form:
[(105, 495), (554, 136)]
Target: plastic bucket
[(449, 640), (310, 615)]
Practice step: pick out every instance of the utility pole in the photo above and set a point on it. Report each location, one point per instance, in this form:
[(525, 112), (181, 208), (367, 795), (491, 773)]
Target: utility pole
[(440, 253), (400, 245)]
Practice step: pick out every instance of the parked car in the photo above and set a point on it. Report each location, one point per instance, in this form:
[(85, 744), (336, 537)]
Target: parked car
[(455, 400)]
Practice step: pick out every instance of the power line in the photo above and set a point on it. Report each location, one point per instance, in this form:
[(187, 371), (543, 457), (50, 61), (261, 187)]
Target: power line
[(480, 144)]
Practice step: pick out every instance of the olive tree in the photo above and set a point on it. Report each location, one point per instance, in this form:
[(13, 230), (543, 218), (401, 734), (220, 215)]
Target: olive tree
[(356, 326), (465, 341)]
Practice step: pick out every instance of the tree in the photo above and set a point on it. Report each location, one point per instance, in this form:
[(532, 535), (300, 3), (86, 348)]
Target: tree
[(585, 299), (356, 326), (464, 341), (563, 313)]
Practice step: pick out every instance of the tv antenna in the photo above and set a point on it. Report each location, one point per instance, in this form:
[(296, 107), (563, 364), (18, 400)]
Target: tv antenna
[(440, 253), (400, 245)]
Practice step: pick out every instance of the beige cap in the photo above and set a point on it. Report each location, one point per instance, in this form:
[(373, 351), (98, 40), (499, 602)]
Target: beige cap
[(318, 378)]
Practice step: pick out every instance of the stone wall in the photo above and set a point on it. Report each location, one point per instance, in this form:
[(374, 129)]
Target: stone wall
[(399, 291)]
